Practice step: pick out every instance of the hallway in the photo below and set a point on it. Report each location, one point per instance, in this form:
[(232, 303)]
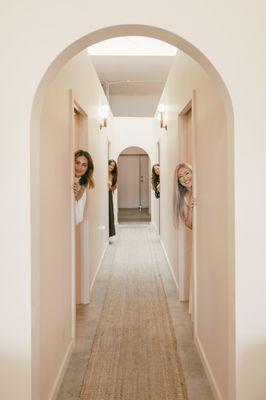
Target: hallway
[(46, 71), (133, 336)]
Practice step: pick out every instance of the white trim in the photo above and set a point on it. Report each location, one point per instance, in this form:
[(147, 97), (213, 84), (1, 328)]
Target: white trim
[(62, 370), (194, 269), (85, 266), (99, 266), (181, 262), (72, 219), (169, 264), (215, 389)]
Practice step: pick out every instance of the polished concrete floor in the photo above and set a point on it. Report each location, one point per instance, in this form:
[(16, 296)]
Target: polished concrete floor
[(132, 215), (88, 316)]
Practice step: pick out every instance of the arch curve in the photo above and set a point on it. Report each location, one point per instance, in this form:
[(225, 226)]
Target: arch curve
[(132, 30), (132, 149), (80, 44)]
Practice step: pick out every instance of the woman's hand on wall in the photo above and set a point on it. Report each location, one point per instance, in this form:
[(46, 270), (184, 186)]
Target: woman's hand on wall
[(78, 191), (76, 188), (192, 202)]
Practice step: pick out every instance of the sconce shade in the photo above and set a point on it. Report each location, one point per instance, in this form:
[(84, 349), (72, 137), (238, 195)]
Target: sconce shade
[(104, 111), (161, 116), (161, 108)]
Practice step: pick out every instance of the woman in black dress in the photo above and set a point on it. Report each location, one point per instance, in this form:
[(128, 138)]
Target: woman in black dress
[(112, 185), (155, 180)]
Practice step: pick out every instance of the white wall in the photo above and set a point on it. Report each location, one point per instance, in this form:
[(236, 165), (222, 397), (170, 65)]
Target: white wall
[(213, 192), (228, 35), (56, 302)]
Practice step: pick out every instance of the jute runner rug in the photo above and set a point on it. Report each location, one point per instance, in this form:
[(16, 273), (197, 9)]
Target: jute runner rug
[(134, 354)]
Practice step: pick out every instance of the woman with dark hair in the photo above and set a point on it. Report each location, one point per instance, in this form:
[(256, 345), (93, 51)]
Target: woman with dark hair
[(155, 180), (184, 200), (83, 177), (112, 185)]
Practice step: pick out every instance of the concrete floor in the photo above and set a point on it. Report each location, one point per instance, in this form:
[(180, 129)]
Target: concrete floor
[(89, 315), (133, 215)]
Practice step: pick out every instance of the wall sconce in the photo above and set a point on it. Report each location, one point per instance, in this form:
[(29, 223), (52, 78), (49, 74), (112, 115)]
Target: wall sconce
[(104, 112), (161, 116)]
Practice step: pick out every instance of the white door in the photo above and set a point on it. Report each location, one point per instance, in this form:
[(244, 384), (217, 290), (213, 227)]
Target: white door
[(157, 201), (128, 181), (185, 241), (81, 230), (77, 145), (144, 181), (133, 181)]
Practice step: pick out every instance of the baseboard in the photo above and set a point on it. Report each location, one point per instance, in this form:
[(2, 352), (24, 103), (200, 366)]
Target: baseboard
[(169, 265), (61, 373), (65, 362), (207, 368), (99, 266)]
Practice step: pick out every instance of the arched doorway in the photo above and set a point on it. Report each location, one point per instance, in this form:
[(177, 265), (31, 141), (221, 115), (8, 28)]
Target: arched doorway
[(133, 186), (77, 47)]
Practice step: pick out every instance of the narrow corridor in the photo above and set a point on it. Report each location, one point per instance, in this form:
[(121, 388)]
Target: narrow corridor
[(134, 340)]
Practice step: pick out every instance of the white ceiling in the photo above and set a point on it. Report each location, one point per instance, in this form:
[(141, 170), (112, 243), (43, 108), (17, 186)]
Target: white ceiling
[(146, 75), (132, 46), (133, 76)]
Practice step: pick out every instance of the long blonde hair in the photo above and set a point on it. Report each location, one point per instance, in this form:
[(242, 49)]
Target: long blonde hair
[(179, 194)]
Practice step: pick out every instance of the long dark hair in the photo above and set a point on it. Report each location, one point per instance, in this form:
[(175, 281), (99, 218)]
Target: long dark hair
[(155, 179), (114, 172), (87, 178)]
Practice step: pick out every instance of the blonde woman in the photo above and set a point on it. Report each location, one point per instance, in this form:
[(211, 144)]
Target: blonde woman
[(184, 200)]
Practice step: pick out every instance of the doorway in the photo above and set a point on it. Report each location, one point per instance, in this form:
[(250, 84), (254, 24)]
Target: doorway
[(81, 268), (195, 54), (133, 186), (185, 238), (157, 202)]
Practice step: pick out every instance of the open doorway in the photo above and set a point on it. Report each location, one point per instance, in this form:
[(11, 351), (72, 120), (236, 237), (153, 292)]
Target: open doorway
[(133, 186), (157, 203), (81, 268), (185, 238), (34, 132)]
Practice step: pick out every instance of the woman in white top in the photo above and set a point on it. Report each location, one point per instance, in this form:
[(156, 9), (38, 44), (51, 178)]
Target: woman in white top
[(83, 177), (184, 200)]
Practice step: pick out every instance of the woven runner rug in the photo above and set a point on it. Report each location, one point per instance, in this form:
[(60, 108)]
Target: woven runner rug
[(134, 353)]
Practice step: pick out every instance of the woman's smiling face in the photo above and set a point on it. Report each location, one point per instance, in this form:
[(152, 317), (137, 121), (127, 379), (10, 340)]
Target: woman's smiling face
[(156, 169), (111, 166), (81, 166), (185, 177)]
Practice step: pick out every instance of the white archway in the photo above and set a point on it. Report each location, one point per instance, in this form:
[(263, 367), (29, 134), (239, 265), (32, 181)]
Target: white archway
[(134, 164), (54, 68)]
